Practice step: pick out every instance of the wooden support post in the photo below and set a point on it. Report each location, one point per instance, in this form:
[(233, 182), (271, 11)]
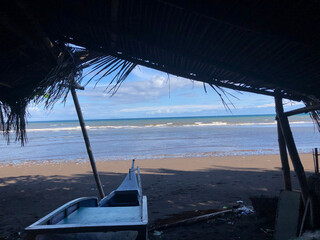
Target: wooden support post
[(316, 160), (284, 159), (87, 142), (292, 149)]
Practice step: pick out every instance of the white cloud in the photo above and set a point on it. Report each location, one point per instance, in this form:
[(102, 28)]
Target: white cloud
[(33, 109), (173, 109), (59, 112), (292, 103), (143, 90), (266, 105), (286, 103), (142, 73)]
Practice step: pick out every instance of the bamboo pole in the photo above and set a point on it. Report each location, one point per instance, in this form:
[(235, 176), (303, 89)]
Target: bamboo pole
[(292, 149), (284, 159), (87, 142), (189, 221)]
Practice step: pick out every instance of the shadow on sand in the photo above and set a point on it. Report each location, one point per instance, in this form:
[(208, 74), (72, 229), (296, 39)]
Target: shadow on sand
[(27, 198)]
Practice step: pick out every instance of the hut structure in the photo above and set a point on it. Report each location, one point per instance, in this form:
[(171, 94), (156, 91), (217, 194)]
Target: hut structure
[(265, 47)]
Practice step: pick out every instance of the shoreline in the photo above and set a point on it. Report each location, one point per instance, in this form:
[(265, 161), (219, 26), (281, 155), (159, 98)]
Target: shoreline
[(28, 192), (204, 155), (69, 168)]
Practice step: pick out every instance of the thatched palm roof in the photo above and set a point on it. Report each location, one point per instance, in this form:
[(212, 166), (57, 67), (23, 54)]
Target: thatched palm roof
[(256, 46)]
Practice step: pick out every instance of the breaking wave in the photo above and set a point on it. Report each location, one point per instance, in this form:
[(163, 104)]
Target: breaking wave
[(161, 125)]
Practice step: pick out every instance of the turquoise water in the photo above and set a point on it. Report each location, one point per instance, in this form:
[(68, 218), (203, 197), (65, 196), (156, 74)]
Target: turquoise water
[(118, 139)]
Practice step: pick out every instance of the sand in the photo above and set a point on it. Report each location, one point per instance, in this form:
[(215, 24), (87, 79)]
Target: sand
[(29, 191)]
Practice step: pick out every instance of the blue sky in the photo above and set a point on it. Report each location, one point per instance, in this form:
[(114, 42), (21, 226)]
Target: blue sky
[(148, 93)]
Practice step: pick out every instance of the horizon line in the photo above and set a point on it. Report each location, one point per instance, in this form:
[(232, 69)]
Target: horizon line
[(100, 119)]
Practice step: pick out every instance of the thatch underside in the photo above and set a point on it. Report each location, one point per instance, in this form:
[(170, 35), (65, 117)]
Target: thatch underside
[(259, 46)]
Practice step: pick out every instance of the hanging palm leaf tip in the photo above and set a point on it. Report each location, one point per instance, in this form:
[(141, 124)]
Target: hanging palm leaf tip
[(70, 69), (14, 117), (102, 67), (222, 95), (13, 111), (56, 84), (315, 115)]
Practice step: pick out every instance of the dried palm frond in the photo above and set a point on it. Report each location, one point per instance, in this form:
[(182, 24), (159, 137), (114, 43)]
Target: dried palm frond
[(13, 117), (108, 65), (315, 115), (69, 69), (218, 89), (56, 85)]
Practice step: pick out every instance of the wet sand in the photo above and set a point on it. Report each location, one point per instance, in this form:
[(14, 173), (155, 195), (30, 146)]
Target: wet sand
[(29, 191)]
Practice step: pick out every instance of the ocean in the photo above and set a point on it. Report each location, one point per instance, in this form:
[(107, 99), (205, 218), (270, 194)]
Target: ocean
[(119, 139)]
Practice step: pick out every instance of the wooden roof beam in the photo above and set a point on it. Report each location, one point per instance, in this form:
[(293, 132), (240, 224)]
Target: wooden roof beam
[(302, 110)]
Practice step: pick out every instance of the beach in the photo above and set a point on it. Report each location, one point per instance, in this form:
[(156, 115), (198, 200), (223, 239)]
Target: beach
[(173, 185)]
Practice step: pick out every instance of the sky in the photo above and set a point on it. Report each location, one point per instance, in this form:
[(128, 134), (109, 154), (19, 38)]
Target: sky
[(148, 93)]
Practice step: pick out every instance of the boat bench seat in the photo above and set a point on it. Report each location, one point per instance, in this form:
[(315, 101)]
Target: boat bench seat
[(70, 208), (94, 215)]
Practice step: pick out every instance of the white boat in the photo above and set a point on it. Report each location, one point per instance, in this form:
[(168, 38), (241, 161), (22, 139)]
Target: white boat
[(124, 209)]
